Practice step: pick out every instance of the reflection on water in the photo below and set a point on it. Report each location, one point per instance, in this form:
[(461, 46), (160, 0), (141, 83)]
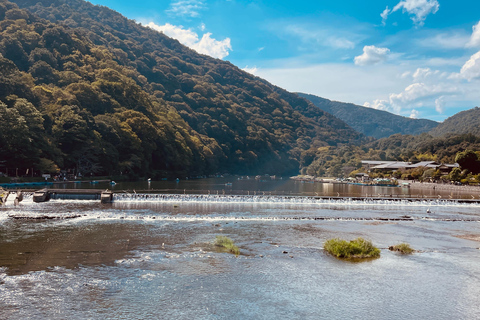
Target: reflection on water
[(266, 186), (142, 258)]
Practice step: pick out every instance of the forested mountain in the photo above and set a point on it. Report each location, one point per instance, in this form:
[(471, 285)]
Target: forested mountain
[(464, 122), (371, 122), (82, 87)]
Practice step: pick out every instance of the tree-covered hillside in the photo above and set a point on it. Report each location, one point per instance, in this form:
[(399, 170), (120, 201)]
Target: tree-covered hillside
[(464, 122), (371, 122), (341, 161), (84, 88)]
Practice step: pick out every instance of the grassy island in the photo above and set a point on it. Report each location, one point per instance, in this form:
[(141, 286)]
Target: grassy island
[(403, 248), (354, 249), (227, 243)]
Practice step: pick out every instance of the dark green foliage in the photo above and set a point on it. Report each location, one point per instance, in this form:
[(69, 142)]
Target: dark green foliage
[(119, 98), (464, 122), (468, 160), (372, 122)]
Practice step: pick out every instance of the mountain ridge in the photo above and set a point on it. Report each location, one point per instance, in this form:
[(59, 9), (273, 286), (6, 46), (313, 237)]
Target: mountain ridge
[(371, 122), (463, 122)]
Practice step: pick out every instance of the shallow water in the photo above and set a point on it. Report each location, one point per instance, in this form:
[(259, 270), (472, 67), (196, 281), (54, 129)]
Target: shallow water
[(145, 257)]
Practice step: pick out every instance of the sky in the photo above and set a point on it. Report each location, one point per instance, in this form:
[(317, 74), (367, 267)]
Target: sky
[(415, 58)]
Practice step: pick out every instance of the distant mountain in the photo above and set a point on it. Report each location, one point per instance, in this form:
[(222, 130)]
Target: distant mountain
[(464, 122), (371, 122), (83, 88)]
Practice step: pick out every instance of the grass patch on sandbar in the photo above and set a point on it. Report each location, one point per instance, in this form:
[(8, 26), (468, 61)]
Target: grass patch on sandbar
[(354, 249), (403, 248), (227, 244)]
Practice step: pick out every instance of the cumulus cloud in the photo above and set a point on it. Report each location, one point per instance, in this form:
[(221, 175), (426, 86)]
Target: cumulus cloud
[(252, 70), (424, 74), (371, 55), (414, 114), (206, 45), (417, 94), (420, 91), (187, 8), (475, 37), (440, 104), (471, 68), (419, 9), (377, 104)]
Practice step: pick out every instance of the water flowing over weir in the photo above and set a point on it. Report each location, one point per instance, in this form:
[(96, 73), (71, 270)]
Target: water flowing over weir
[(294, 200)]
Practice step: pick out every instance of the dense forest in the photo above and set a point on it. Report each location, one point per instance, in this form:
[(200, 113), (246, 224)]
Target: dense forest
[(83, 88), (463, 122), (372, 122)]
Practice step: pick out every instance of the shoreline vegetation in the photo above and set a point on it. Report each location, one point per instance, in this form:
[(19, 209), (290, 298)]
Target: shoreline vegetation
[(403, 248), (227, 244), (355, 249)]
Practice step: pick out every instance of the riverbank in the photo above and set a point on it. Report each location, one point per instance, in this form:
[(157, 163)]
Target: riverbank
[(474, 190)]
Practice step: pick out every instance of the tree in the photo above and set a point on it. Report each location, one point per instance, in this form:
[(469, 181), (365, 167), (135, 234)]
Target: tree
[(455, 174), (469, 160)]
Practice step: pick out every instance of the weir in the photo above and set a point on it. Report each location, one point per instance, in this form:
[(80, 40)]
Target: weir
[(105, 196), (108, 196), (149, 197)]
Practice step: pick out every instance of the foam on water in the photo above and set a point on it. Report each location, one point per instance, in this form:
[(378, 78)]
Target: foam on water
[(296, 200)]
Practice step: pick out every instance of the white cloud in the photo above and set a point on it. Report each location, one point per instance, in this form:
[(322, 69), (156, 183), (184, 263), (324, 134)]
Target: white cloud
[(189, 8), (420, 9), (209, 46), (425, 74), (418, 91), (377, 104), (440, 104), (384, 15), (252, 70), (371, 55), (475, 37), (471, 68), (414, 114), (206, 45)]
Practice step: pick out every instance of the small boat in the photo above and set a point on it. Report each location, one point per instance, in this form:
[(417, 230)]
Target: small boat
[(41, 195)]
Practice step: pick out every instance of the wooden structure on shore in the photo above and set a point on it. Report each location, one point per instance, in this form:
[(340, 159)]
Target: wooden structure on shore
[(105, 196)]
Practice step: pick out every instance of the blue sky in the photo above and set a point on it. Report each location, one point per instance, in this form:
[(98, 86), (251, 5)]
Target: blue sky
[(416, 58)]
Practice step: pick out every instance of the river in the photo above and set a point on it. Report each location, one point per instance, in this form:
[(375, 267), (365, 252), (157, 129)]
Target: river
[(150, 255)]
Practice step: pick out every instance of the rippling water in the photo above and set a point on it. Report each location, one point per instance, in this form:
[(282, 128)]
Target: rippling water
[(152, 257)]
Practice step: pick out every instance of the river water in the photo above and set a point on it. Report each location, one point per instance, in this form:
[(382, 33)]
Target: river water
[(151, 256)]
